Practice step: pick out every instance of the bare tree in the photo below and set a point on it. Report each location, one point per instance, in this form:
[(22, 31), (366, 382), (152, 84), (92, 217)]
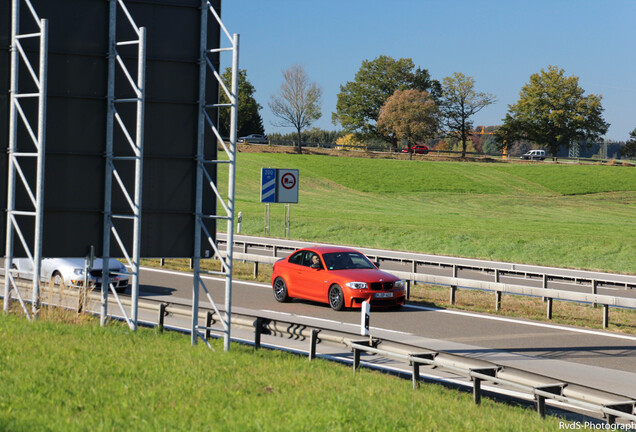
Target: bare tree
[(297, 103), (460, 101)]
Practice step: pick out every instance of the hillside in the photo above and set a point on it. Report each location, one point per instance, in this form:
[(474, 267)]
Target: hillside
[(580, 216)]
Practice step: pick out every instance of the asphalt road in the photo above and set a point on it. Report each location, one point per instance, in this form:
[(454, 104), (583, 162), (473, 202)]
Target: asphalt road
[(579, 281), (598, 359)]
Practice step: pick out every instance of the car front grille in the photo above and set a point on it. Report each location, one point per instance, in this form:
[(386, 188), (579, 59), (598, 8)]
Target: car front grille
[(98, 273), (381, 285)]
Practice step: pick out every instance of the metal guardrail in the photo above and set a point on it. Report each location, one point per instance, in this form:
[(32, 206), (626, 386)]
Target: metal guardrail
[(536, 387), (495, 286), (416, 260)]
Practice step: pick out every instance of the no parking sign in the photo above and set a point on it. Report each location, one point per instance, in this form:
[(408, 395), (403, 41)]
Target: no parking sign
[(279, 185)]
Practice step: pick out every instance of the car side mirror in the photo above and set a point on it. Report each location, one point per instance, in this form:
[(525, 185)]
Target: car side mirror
[(377, 264)]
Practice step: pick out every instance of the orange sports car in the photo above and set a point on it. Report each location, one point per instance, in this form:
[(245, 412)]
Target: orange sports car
[(341, 277)]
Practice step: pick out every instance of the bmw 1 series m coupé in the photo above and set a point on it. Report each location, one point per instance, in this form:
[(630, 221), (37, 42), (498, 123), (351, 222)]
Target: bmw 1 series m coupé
[(341, 277)]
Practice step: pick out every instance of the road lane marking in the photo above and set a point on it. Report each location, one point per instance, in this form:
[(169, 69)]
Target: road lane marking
[(517, 321), (431, 309)]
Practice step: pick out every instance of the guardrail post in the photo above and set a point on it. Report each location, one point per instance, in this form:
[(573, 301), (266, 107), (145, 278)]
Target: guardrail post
[(605, 316), (356, 359), (595, 289), (497, 275), (497, 300), (209, 317), (162, 262), (312, 344), (275, 250), (544, 284), (162, 315), (408, 289), (257, 332), (477, 390), (540, 405), (549, 309), (415, 377), (453, 291), (414, 269), (81, 301), (255, 272)]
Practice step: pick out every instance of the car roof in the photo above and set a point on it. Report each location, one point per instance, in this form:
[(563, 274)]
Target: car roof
[(329, 249)]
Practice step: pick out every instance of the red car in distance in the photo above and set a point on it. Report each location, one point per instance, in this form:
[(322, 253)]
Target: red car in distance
[(418, 149), (341, 277)]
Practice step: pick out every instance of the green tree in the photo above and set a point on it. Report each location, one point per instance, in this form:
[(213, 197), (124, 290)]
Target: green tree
[(629, 149), (297, 103), (459, 102), (553, 112), (409, 114), (249, 118), (359, 101)]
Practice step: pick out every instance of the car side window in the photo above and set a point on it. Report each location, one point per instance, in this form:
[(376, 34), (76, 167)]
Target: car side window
[(308, 257), (297, 258)]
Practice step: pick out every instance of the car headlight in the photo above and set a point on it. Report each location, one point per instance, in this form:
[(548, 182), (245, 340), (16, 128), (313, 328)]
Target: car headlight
[(78, 271), (357, 285), (398, 284)]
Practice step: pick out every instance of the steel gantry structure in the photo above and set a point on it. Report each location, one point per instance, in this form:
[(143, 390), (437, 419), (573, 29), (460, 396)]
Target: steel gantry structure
[(24, 149), (207, 169), (123, 154), (116, 162)]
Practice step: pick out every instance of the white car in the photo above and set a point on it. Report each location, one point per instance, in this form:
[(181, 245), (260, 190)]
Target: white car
[(534, 154), (255, 139), (70, 271)]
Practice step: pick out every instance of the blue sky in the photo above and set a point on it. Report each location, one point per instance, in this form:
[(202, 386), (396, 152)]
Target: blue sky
[(499, 43)]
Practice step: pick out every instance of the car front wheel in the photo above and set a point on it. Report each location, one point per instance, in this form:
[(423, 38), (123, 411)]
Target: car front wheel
[(336, 298), (57, 280), (280, 290)]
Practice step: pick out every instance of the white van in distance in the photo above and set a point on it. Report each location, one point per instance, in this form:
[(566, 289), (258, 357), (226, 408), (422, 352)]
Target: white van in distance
[(534, 154)]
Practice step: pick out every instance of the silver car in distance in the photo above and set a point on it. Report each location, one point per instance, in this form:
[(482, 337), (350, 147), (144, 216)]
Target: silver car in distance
[(70, 271)]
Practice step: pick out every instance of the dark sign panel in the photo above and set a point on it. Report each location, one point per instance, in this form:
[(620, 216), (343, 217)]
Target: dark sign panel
[(76, 123), (5, 61)]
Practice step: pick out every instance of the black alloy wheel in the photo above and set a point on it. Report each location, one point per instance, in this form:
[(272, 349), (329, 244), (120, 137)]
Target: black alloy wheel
[(280, 290), (336, 298)]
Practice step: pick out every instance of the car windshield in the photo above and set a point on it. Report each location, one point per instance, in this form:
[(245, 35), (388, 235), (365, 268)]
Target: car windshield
[(346, 261)]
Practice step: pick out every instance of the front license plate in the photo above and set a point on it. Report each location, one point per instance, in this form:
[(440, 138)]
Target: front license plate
[(383, 295)]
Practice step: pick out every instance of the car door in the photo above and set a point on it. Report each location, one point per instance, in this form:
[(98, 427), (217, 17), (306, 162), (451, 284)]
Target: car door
[(292, 273), (310, 280)]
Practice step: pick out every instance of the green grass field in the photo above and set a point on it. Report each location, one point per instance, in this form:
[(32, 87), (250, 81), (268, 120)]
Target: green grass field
[(69, 377), (578, 216)]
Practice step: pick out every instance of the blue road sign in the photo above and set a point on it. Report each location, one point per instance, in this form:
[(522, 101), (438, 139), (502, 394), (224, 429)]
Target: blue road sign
[(268, 185)]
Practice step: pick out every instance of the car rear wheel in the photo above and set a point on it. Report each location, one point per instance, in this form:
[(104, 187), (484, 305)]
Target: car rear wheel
[(280, 290), (336, 298)]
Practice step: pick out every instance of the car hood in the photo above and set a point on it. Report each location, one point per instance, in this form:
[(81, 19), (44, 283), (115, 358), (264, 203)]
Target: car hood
[(365, 275), (113, 264)]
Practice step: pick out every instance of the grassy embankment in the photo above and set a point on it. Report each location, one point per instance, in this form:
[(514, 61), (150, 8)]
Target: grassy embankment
[(62, 377), (578, 216)]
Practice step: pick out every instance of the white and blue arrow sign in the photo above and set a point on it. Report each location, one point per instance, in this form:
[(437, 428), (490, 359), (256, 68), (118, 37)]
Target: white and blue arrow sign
[(268, 185)]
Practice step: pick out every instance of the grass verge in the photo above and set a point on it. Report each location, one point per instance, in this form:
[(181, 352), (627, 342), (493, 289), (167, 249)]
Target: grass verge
[(60, 377)]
